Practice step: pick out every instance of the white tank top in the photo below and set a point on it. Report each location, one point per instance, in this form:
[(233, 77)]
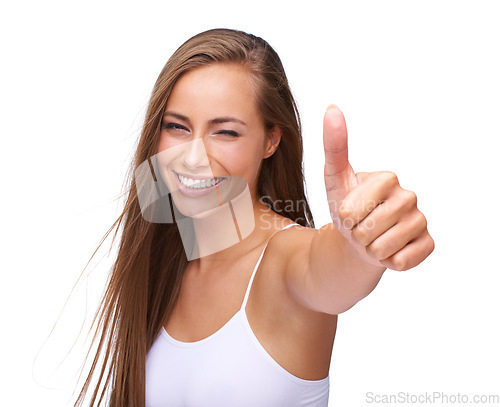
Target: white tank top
[(229, 368)]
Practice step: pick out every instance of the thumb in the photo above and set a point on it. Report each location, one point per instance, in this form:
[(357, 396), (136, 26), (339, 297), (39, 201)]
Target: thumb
[(339, 175)]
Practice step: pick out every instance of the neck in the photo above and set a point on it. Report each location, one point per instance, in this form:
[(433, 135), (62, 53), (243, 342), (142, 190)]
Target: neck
[(230, 232)]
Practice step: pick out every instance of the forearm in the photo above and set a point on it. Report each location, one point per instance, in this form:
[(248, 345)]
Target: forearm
[(337, 276)]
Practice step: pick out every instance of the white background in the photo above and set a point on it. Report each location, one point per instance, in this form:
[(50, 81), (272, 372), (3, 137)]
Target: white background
[(419, 86)]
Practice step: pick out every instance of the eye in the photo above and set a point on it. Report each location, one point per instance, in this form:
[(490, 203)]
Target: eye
[(229, 133), (174, 126)]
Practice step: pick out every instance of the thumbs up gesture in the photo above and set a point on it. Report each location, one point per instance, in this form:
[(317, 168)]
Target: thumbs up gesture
[(379, 219)]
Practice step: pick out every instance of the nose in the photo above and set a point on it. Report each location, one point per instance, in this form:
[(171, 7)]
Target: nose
[(195, 155)]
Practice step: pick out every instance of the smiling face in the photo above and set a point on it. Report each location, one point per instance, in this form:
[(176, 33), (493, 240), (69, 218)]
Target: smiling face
[(212, 132)]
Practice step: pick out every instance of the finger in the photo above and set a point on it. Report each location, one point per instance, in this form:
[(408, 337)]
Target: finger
[(384, 216), (361, 201), (335, 141), (377, 222), (412, 254), (339, 176), (398, 236)]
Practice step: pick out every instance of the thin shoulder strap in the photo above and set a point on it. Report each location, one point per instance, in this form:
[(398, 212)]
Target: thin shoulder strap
[(257, 266)]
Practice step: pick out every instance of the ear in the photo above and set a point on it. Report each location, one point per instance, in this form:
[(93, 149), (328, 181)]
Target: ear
[(273, 139)]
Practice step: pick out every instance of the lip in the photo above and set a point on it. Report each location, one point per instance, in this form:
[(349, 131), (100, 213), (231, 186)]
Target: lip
[(195, 193)]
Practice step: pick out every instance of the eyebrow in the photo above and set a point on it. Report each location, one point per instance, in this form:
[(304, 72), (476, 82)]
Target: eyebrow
[(217, 120)]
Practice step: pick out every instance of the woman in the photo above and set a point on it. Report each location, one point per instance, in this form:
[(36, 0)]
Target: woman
[(223, 293)]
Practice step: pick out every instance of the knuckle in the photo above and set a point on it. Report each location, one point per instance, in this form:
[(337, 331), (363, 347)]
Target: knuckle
[(362, 235), (378, 250), (421, 221), (410, 198), (430, 244), (345, 210), (348, 223), (390, 178), (400, 263)]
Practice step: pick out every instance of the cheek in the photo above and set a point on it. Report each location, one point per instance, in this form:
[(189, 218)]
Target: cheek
[(165, 143), (168, 152), (240, 159)]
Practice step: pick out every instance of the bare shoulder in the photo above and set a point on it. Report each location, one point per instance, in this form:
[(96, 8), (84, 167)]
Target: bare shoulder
[(290, 250), (278, 309), (291, 247), (292, 244), (288, 255)]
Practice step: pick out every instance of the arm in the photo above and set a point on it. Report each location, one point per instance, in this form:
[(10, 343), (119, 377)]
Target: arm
[(376, 225), (336, 273), (322, 271)]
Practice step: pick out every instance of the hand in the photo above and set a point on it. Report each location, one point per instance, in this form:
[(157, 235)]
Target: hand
[(379, 219)]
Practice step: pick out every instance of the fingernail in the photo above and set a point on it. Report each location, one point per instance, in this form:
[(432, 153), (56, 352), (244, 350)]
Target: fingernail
[(332, 106)]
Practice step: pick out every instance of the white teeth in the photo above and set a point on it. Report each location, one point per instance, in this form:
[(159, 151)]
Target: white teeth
[(197, 184)]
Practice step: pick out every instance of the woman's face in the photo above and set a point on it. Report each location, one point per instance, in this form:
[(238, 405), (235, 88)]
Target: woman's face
[(213, 133)]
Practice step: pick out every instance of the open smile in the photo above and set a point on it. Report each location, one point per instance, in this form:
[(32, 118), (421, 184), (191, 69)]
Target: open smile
[(195, 187)]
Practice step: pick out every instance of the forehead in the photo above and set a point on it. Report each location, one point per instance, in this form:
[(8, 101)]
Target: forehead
[(214, 90)]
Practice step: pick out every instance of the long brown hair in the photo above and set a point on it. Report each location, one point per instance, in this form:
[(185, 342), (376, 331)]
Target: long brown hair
[(146, 276)]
